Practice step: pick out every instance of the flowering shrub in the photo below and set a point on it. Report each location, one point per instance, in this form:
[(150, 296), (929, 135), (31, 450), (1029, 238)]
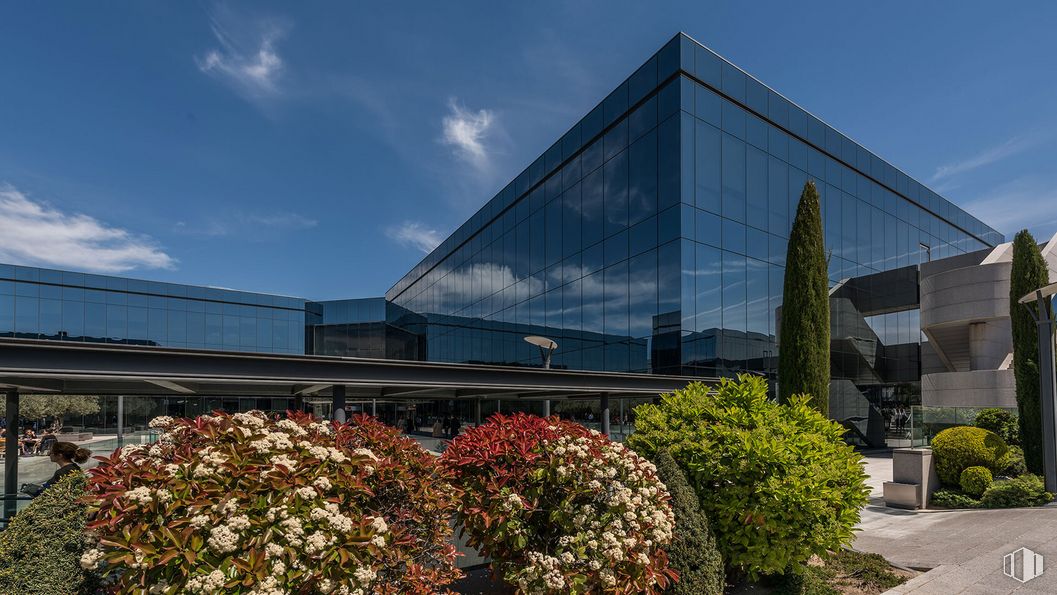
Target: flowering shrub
[(561, 509), (250, 505)]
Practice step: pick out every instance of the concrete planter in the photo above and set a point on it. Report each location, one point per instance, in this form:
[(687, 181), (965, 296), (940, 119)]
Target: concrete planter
[(914, 478)]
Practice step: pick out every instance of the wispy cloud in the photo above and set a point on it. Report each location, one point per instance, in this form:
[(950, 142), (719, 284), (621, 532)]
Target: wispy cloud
[(416, 235), (987, 157), (259, 226), (37, 234), (467, 132), (1027, 203), (247, 58)]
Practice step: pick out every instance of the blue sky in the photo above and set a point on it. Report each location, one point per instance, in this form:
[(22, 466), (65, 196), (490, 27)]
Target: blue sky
[(317, 149)]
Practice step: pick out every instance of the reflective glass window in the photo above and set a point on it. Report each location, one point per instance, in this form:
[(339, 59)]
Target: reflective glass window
[(136, 320), (708, 228), (756, 199), (733, 178), (668, 158), (642, 179), (116, 322), (50, 317), (27, 316), (7, 315), (708, 106), (73, 318), (591, 209), (734, 236), (615, 190), (709, 289), (707, 167)]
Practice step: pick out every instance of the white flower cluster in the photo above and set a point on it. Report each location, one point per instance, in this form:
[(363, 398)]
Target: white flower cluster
[(205, 583), (210, 460), (161, 422), (291, 427), (250, 420), (90, 559), (622, 488), (141, 495), (542, 569)]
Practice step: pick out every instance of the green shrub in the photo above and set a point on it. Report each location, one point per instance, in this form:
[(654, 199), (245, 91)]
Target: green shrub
[(693, 552), (974, 480), (965, 446), (777, 482), (806, 580), (1013, 465), (844, 571), (946, 498), (1000, 421), (40, 551), (1026, 490)]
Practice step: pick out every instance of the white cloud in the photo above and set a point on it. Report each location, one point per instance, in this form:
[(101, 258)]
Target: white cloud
[(247, 58), (467, 131), (992, 155), (416, 235), (37, 234)]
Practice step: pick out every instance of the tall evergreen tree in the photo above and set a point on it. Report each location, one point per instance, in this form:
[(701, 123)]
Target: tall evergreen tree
[(692, 552), (1029, 273), (803, 353)]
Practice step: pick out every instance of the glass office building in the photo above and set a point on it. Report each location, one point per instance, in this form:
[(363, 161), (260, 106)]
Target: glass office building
[(48, 304), (652, 236)]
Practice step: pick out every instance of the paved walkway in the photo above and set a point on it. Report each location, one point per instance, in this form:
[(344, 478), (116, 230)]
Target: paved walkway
[(964, 548)]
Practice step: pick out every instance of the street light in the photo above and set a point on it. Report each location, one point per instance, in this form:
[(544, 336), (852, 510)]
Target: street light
[(547, 347), (1047, 382)]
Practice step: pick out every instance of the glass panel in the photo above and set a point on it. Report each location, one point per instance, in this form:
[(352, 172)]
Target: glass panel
[(733, 178), (707, 162)]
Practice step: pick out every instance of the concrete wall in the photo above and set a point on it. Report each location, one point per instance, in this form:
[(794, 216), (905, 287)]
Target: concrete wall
[(978, 388)]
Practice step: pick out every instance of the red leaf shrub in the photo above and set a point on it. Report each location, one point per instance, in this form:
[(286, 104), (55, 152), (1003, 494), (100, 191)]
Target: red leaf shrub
[(250, 505), (561, 509)]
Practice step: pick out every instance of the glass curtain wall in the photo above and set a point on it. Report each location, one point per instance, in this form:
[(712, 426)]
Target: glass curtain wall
[(652, 238), (48, 304)]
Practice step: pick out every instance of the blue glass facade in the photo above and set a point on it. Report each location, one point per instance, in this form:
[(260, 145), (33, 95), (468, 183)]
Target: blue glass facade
[(652, 236), (48, 304)]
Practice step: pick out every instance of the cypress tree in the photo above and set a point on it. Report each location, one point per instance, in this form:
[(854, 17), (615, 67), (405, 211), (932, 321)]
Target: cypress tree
[(1029, 273), (692, 553), (803, 353)]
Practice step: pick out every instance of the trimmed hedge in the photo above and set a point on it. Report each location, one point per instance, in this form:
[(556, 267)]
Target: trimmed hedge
[(960, 447), (693, 552), (1013, 464), (947, 498), (40, 551), (1001, 422), (1026, 490), (974, 480)]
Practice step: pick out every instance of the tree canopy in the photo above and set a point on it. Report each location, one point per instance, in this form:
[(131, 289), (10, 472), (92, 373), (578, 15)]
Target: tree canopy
[(34, 407)]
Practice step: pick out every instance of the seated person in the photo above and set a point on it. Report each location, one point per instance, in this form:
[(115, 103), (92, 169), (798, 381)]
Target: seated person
[(29, 441), (46, 440)]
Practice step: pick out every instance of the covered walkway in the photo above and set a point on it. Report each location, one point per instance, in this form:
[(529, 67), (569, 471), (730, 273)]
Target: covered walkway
[(58, 367)]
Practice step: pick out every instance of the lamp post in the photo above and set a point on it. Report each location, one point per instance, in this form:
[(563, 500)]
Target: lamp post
[(1042, 313), (547, 347)]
